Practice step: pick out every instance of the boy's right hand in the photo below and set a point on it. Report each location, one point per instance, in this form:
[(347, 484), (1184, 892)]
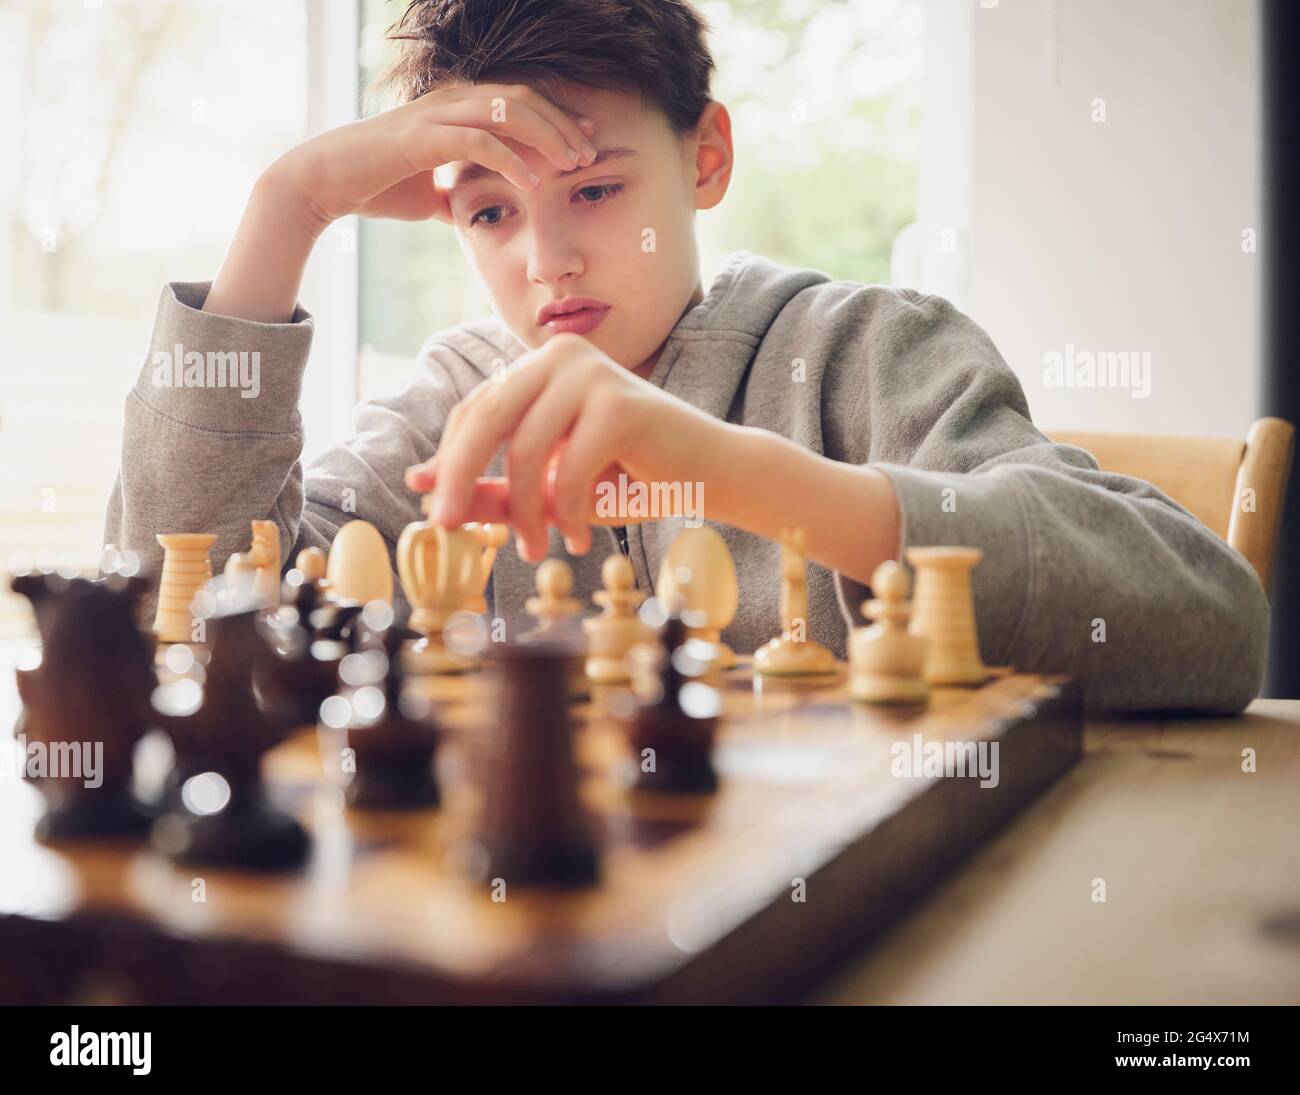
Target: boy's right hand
[(382, 166)]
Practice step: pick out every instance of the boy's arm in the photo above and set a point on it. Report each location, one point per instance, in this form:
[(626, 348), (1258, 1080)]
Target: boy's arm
[(212, 458), (208, 459), (1096, 574), (936, 448)]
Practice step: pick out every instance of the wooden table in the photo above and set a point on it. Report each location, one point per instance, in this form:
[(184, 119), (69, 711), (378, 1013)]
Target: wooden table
[(1201, 863), (1200, 860)]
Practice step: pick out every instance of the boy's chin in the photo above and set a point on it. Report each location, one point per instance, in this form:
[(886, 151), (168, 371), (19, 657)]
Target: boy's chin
[(620, 350)]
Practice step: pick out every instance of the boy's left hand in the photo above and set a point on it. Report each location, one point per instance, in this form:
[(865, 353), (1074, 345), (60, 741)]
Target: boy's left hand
[(570, 418)]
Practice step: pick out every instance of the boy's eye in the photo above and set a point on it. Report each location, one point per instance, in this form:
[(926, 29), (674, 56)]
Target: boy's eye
[(599, 192), (596, 194), (491, 217)]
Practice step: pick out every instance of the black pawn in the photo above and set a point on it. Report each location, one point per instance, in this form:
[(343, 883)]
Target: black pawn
[(673, 741), (395, 753), (534, 830), (219, 744), (304, 672)]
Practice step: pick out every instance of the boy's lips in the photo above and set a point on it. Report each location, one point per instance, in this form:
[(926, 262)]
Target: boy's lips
[(576, 314)]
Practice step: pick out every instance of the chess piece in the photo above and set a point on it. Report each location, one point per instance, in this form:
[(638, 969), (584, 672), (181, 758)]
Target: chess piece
[(491, 539), (553, 608), (699, 569), (612, 634), (186, 568), (886, 660), (257, 571), (439, 568), (943, 610), (86, 705), (556, 613), (533, 829), (392, 743), (328, 621), (358, 568), (672, 732), (310, 563), (219, 812), (793, 653), (302, 671)]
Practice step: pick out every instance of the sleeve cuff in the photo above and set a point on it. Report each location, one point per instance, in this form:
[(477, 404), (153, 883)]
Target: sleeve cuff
[(221, 373), (943, 509)]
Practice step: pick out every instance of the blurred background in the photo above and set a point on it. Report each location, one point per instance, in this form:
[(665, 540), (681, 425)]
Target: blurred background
[(1069, 172)]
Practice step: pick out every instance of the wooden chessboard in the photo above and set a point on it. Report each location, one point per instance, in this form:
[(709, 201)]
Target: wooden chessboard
[(699, 899)]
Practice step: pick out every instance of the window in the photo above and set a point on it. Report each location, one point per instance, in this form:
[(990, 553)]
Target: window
[(139, 128), (130, 150), (835, 88)]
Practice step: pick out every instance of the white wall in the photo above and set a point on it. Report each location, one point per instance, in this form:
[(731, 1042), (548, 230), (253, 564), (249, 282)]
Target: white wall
[(1124, 234)]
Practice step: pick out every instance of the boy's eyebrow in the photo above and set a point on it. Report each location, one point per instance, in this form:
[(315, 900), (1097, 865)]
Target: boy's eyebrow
[(472, 172)]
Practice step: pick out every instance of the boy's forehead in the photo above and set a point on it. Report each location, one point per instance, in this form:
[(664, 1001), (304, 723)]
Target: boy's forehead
[(595, 103), (623, 125)]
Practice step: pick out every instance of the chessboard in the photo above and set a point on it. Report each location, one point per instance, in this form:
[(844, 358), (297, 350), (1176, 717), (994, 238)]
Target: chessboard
[(827, 825)]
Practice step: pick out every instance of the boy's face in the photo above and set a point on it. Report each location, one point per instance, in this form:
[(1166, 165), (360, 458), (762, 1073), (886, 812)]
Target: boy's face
[(620, 231)]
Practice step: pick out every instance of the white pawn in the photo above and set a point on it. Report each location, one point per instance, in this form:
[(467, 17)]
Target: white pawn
[(793, 653), (556, 615), (552, 608), (885, 661), (612, 634)]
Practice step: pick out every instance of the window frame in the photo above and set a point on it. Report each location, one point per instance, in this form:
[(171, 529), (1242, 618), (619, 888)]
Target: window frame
[(331, 283)]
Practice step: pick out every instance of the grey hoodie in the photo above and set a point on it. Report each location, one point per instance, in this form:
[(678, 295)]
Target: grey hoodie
[(891, 378)]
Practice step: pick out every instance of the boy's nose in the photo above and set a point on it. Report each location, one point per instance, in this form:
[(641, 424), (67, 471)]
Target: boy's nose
[(553, 258)]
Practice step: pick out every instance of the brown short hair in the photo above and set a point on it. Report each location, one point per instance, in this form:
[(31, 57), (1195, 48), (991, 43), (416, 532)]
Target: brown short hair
[(656, 47)]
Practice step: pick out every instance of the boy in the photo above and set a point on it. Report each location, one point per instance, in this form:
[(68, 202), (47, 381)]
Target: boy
[(578, 141)]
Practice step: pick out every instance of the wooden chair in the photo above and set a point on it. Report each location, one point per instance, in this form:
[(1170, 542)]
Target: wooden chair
[(1210, 477)]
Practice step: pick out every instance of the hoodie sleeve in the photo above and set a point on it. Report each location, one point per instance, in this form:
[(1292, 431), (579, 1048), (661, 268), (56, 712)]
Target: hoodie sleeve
[(1084, 572), (210, 451)]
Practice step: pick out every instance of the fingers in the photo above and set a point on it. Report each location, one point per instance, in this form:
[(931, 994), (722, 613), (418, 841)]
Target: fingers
[(489, 502), (478, 427), (539, 406), (530, 456), (433, 145), (527, 119), (515, 121), (518, 105), (422, 477), (591, 450), (543, 502), (609, 474)]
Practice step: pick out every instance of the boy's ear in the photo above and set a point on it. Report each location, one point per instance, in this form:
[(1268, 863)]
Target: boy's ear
[(713, 155)]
